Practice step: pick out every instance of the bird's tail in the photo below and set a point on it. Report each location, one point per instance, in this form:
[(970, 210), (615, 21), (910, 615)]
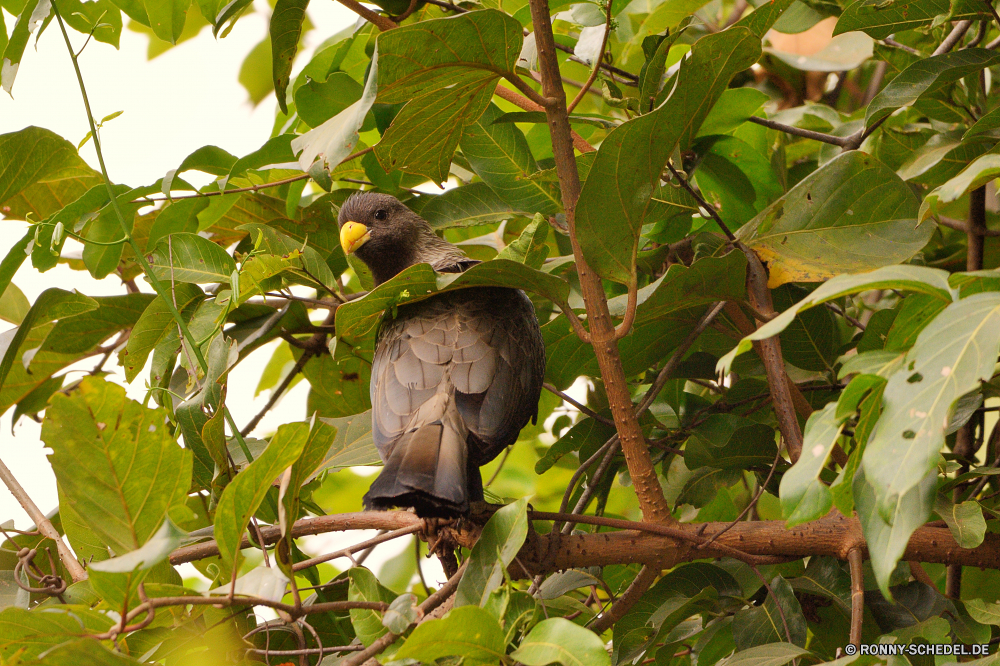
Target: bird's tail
[(428, 469)]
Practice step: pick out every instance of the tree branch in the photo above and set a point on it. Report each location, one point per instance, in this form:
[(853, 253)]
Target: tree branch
[(579, 405), (42, 524), (642, 582), (855, 558), (795, 131), (523, 102), (953, 37), (640, 465)]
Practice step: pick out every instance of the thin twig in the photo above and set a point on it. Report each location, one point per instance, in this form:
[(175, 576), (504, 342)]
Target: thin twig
[(889, 41), (797, 131), (579, 405), (42, 524), (854, 558), (597, 62), (707, 207), (374, 541), (752, 504), (957, 225), (838, 310)]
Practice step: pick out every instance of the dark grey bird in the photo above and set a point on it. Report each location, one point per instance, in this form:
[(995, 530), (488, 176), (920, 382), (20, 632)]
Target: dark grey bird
[(454, 378)]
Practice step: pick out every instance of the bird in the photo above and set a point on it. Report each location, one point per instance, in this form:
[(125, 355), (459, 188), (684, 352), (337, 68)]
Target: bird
[(455, 377)]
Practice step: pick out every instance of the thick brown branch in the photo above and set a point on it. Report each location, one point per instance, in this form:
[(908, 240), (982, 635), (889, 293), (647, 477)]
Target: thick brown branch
[(642, 582), (602, 331), (855, 559)]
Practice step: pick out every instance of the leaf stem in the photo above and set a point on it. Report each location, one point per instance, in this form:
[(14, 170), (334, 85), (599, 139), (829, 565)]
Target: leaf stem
[(140, 256), (597, 63)]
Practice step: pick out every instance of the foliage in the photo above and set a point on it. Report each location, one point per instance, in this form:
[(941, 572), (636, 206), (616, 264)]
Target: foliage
[(857, 376)]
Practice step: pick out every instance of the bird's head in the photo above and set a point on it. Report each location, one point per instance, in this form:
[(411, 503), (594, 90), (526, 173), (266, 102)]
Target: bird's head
[(381, 232), (387, 235)]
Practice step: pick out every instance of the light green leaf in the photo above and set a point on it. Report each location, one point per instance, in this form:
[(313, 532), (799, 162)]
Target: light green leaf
[(771, 654), (803, 496), (469, 632), (557, 640), (983, 612), (116, 462), (760, 625), (529, 248), (154, 551), (965, 520), (919, 279), (978, 173), (879, 20), (33, 13), (365, 587), (152, 325), (853, 214), (887, 539), (502, 538), (951, 356), (188, 257), (166, 18), (925, 77), (244, 494), (13, 305)]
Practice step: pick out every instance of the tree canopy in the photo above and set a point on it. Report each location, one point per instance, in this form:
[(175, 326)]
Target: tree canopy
[(761, 244)]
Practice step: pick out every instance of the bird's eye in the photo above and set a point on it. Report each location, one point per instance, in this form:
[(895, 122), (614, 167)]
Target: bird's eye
[(381, 214)]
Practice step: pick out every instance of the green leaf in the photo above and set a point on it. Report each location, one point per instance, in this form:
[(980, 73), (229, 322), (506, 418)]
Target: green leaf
[(318, 101), (502, 538), (557, 640), (737, 178), (951, 356), (587, 431), (651, 75), (28, 634), (734, 107), (529, 248), (116, 462), (887, 539), (729, 441), (102, 256), (978, 173), (853, 214), (151, 327), (983, 612), (51, 305), (13, 305), (919, 279), (188, 257), (499, 154), (469, 632), (615, 198), (15, 257), (926, 77), (468, 206), (965, 520), (166, 18), (43, 172), (353, 444), (365, 587), (803, 496), (764, 624), (334, 140), (879, 19), (764, 17), (358, 320), (27, 22), (81, 333), (457, 59), (986, 123), (772, 654), (244, 494), (285, 30)]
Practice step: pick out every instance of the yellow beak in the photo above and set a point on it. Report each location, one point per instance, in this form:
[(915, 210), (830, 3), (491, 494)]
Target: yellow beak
[(353, 235)]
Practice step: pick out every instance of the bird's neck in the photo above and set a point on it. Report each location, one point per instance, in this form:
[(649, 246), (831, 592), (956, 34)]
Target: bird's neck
[(429, 249)]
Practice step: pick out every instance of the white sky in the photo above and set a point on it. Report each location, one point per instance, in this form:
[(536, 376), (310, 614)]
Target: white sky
[(186, 98)]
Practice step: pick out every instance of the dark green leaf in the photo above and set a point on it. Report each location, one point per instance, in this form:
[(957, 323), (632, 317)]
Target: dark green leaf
[(767, 624), (616, 196), (880, 20), (188, 257), (285, 29)]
